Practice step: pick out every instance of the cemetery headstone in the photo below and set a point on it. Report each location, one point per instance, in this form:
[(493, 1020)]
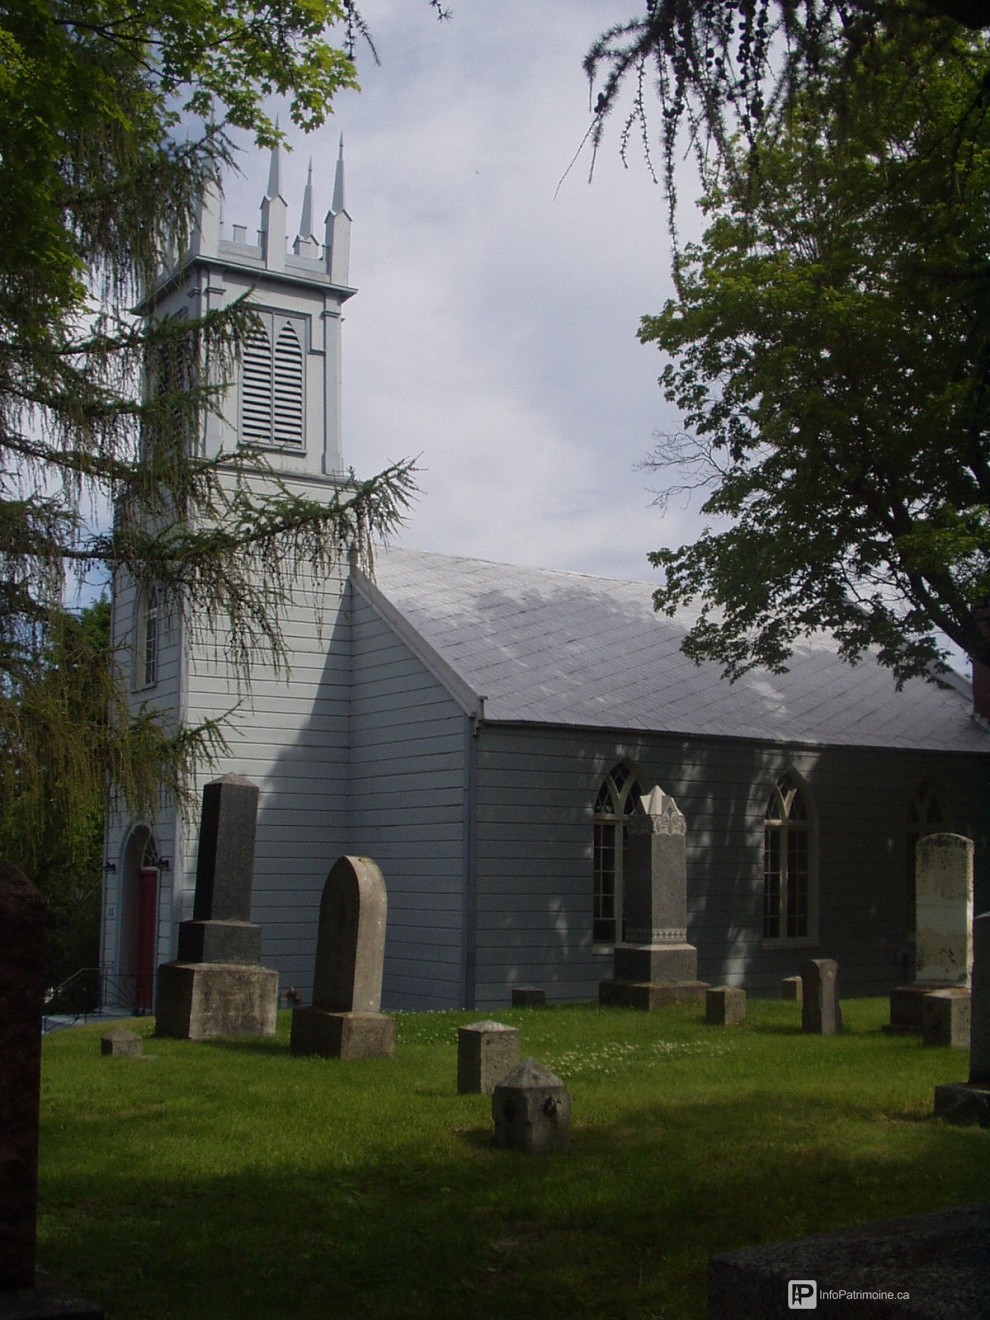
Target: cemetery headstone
[(217, 986), (22, 992), (791, 988), (969, 1102), (528, 996), (821, 1012), (945, 1018), (924, 1267), (24, 1291), (531, 1109), (654, 964), (943, 924), (345, 1019), (486, 1053), (120, 1043), (725, 1006)]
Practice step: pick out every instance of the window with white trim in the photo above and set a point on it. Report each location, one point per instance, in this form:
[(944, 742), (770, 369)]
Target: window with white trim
[(272, 378), (926, 815), (149, 637), (788, 863), (617, 800)]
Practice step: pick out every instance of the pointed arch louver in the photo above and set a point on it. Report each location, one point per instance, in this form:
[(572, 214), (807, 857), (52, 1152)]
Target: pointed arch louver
[(272, 410)]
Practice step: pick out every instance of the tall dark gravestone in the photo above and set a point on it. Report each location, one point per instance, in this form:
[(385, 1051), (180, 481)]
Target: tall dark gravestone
[(24, 1293), (217, 986), (22, 993)]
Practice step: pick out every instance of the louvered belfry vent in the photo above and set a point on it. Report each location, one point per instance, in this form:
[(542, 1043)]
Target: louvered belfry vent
[(287, 421), (272, 384)]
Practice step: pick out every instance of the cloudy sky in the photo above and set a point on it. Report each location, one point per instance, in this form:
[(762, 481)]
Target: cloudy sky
[(494, 331)]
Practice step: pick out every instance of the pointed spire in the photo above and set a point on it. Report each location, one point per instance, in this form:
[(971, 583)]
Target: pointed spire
[(338, 227), (337, 205), (275, 172), (273, 214), (306, 220)]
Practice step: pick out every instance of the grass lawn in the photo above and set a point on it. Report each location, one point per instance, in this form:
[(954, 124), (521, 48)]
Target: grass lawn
[(231, 1179)]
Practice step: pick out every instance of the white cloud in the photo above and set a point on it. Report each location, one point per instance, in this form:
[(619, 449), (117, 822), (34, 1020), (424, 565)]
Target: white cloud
[(494, 331)]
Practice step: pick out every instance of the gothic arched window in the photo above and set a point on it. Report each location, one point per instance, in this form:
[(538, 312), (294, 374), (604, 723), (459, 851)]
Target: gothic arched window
[(272, 382), (617, 798), (926, 815), (788, 881)]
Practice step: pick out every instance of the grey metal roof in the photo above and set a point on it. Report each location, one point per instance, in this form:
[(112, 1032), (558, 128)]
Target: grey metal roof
[(568, 649)]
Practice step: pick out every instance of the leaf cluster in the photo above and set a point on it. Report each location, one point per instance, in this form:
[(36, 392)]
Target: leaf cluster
[(114, 121), (722, 67), (829, 351)]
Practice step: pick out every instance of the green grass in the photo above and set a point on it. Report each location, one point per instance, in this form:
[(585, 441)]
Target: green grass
[(231, 1179)]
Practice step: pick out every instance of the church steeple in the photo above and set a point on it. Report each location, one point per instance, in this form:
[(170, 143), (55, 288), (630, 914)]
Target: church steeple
[(273, 215), (306, 244), (338, 227), (286, 397)]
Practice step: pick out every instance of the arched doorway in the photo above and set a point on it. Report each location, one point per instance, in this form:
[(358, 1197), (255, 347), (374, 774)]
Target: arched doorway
[(139, 924)]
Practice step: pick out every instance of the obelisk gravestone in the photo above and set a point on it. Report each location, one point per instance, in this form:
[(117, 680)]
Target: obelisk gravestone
[(217, 986)]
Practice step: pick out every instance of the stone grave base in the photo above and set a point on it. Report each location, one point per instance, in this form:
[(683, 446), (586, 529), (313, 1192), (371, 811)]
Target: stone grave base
[(47, 1300), (650, 994), (342, 1035), (200, 1001), (964, 1103), (938, 1259), (660, 964), (906, 1006)]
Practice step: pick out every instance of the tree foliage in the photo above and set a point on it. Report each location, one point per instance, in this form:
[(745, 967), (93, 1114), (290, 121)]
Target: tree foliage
[(829, 351), (719, 66), (114, 118)]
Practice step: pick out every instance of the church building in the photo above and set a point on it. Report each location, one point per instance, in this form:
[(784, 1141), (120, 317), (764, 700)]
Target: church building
[(484, 732)]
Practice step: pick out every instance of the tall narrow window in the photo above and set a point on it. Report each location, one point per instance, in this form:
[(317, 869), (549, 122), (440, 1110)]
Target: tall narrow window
[(926, 815), (616, 801), (149, 637), (272, 382), (787, 863)]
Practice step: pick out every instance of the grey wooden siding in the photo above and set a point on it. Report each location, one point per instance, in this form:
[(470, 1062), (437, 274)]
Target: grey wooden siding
[(534, 867), (408, 800), (288, 734)]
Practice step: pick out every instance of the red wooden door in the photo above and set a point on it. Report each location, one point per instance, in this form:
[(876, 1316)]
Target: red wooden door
[(147, 939)]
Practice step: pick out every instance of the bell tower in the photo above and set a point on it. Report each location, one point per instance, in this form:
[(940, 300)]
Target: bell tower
[(288, 730), (286, 397)]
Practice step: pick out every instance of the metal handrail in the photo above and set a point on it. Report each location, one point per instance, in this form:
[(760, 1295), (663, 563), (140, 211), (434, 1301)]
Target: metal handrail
[(109, 985)]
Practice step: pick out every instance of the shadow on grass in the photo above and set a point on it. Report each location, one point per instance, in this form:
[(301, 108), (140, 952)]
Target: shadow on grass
[(430, 1219)]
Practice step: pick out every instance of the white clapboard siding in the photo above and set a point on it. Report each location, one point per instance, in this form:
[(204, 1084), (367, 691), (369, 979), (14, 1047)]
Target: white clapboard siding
[(408, 796)]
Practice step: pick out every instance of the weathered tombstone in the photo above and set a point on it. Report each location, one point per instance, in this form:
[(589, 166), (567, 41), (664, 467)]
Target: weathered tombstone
[(655, 965), (791, 989), (970, 1102), (120, 1043), (531, 1109), (945, 1018), (486, 1053), (922, 1267), (217, 986), (528, 996), (725, 1006), (821, 1012), (23, 1291), (943, 922), (344, 1020)]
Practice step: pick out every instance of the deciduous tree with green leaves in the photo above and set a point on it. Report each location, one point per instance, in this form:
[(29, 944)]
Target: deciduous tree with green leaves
[(829, 352), (114, 118)]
